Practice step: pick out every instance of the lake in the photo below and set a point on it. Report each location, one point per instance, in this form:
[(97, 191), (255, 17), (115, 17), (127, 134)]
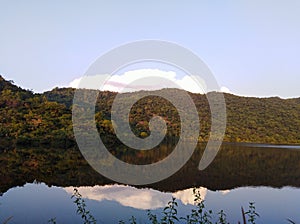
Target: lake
[(37, 185)]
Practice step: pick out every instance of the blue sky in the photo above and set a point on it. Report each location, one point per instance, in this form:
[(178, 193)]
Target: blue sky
[(252, 47)]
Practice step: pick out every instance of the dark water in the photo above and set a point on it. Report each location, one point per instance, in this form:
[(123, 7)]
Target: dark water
[(267, 175)]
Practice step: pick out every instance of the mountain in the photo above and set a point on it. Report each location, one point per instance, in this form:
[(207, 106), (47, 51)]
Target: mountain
[(28, 119)]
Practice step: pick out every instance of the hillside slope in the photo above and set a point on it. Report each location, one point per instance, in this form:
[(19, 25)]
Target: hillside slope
[(30, 119)]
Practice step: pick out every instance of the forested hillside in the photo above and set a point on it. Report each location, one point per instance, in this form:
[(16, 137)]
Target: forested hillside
[(30, 119)]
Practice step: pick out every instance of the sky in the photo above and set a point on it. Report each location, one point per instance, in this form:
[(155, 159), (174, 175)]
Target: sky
[(251, 47)]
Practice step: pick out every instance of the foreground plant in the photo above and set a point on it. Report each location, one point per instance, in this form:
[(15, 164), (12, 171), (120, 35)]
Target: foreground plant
[(251, 213), (199, 215), (222, 218), (152, 217), (7, 220), (170, 213), (52, 221), (86, 216)]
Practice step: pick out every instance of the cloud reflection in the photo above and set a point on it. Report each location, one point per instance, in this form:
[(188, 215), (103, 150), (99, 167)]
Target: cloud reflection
[(187, 196), (134, 197), (223, 192)]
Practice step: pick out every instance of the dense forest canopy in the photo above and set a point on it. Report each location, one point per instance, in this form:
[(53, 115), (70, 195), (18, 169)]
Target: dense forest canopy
[(30, 119)]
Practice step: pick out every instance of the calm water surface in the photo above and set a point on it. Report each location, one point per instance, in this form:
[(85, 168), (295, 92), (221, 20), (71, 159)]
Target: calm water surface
[(267, 175), (37, 203)]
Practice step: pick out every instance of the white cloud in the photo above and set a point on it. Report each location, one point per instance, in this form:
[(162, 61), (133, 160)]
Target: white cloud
[(74, 83), (224, 89), (134, 197), (142, 79)]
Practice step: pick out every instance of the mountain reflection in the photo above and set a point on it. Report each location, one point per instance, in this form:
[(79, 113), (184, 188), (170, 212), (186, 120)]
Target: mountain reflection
[(136, 198), (236, 165)]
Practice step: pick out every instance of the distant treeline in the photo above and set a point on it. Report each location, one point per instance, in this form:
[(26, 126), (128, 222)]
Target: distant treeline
[(29, 119)]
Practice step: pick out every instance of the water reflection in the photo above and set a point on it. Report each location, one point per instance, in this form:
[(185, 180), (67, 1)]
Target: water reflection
[(37, 203), (236, 165), (136, 198), (225, 192), (269, 171), (257, 145), (187, 196)]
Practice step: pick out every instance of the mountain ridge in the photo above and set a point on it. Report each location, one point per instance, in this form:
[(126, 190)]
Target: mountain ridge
[(45, 119)]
